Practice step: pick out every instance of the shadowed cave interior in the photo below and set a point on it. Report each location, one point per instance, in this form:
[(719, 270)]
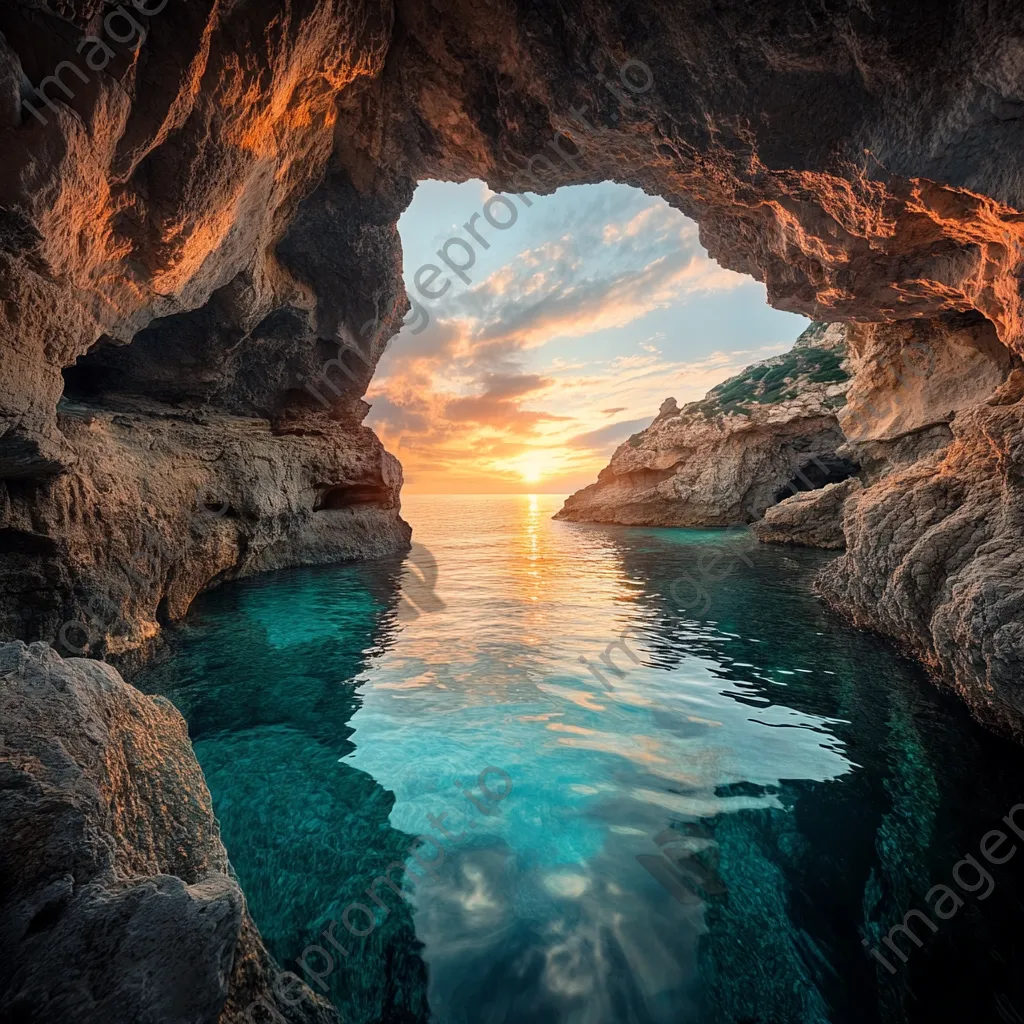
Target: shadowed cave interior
[(190, 233)]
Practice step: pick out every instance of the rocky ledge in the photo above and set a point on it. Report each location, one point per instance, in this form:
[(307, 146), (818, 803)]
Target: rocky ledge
[(812, 519), (764, 434), (118, 904), (932, 523), (162, 502)]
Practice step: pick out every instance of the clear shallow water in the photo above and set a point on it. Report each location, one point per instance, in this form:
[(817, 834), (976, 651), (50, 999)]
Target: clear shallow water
[(706, 836)]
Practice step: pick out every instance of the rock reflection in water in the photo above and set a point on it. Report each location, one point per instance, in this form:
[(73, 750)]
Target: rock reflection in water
[(265, 673), (709, 838)]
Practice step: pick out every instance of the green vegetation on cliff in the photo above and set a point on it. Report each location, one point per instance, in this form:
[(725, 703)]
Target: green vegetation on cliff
[(812, 360)]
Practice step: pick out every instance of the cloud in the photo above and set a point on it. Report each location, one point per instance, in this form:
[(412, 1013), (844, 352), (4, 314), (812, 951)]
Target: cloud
[(577, 285), (498, 405), (400, 417), (496, 412), (476, 400), (577, 306), (597, 265), (513, 385), (606, 437)]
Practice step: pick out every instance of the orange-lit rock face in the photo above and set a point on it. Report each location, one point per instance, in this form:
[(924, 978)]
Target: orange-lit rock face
[(201, 222), (943, 250), (934, 555), (914, 375), (166, 175), (833, 156)]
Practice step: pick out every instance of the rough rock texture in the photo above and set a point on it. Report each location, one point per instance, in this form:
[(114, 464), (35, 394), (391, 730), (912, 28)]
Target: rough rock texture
[(173, 238), (159, 192), (916, 375), (753, 440), (201, 217), (158, 505), (198, 220), (813, 519), (934, 543), (118, 905)]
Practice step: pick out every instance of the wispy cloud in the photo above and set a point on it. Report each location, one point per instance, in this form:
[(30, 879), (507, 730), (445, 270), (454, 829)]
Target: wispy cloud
[(485, 397), (604, 437)]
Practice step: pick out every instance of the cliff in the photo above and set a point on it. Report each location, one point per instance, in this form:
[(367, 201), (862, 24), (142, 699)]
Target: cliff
[(199, 269), (930, 417), (119, 906), (162, 503), (762, 435), (197, 225), (934, 540)]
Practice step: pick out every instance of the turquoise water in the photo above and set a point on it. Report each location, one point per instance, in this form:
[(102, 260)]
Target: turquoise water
[(706, 834)]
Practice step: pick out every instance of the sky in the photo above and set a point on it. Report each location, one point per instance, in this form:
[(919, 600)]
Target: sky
[(558, 336)]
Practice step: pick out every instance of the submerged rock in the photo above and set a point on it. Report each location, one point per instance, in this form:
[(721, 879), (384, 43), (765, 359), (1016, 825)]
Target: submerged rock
[(118, 903), (765, 433)]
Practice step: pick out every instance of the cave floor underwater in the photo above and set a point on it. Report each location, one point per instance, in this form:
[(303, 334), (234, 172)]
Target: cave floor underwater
[(724, 825)]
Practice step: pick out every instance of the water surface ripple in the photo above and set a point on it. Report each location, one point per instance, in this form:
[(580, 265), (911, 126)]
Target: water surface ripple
[(706, 832)]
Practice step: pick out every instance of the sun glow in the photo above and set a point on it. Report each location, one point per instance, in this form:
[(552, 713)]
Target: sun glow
[(565, 345), (535, 466)]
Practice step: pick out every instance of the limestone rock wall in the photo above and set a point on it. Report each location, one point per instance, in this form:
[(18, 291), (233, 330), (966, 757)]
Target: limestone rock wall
[(812, 519), (160, 504), (934, 542), (174, 239), (753, 440), (118, 906), (198, 218)]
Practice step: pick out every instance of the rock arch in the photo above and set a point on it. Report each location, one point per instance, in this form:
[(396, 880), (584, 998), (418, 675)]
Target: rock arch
[(204, 219)]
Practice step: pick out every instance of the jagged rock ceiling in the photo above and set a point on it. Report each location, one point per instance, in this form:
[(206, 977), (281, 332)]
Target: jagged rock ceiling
[(197, 220), (249, 161)]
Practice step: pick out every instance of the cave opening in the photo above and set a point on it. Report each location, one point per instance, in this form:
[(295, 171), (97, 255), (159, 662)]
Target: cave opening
[(818, 472), (781, 773), (88, 378), (548, 330), (342, 496), (277, 368)]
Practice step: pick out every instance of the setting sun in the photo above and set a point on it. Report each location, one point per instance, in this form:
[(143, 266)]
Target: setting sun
[(549, 473), (562, 343), (535, 466), (532, 473)]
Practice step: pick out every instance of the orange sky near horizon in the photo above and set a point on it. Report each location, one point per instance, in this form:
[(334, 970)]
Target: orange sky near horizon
[(571, 331), (491, 444)]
